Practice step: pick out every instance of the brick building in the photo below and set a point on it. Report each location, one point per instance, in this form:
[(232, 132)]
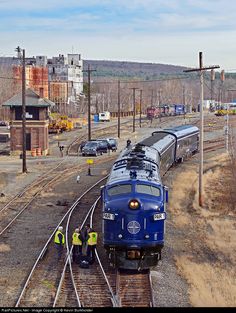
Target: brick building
[(37, 120), (36, 78)]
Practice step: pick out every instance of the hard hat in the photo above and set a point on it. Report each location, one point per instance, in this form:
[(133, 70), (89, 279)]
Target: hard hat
[(60, 228), (77, 230)]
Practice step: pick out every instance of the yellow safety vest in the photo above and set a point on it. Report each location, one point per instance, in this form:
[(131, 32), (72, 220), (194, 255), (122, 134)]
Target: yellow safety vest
[(92, 240), (56, 238), (75, 240)]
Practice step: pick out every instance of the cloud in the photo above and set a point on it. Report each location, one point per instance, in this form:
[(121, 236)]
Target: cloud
[(117, 16), (162, 30)]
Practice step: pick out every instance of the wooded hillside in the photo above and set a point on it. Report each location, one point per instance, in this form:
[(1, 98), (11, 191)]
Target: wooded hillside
[(124, 69)]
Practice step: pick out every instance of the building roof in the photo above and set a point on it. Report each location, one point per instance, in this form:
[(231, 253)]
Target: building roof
[(32, 99)]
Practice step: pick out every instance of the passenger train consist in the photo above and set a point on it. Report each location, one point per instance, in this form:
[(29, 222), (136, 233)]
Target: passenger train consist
[(134, 199)]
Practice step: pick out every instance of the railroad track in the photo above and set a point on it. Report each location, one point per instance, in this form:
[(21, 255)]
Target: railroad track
[(65, 284), (89, 281), (41, 286), (134, 289), (107, 131), (13, 209), (214, 144), (20, 202)]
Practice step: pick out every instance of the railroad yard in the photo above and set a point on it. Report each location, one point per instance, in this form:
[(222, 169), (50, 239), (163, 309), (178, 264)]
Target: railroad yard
[(198, 260)]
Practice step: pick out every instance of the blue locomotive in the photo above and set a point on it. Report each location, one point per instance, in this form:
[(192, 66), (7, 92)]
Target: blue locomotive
[(134, 199)]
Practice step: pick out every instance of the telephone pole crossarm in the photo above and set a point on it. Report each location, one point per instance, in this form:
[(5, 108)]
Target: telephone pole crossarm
[(202, 68)]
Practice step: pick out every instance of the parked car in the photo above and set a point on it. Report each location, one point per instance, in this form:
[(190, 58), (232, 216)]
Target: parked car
[(104, 145), (92, 148), (113, 145)]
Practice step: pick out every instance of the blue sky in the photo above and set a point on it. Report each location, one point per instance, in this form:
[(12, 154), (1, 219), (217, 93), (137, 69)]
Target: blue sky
[(159, 31)]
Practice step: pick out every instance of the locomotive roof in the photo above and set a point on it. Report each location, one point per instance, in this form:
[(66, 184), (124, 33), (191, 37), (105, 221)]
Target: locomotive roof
[(144, 157), (143, 162)]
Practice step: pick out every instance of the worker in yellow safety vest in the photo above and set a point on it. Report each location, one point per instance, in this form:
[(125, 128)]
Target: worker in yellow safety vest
[(59, 241), (91, 242), (77, 242)]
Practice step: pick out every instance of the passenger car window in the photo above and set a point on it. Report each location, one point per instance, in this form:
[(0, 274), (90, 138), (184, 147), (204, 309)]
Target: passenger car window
[(119, 189), (148, 189)]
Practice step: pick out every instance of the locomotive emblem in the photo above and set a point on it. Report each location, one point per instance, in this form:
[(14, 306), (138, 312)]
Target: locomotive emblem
[(133, 227)]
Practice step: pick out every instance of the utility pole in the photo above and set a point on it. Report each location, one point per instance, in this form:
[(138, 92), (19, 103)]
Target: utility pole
[(222, 78), (184, 100), (151, 97), (89, 100), (212, 86), (24, 168), (227, 122), (118, 108), (191, 102), (140, 108), (134, 107), (201, 69), (159, 102)]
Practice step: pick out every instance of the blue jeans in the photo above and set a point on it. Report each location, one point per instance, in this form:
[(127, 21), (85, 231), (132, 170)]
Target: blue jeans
[(59, 251)]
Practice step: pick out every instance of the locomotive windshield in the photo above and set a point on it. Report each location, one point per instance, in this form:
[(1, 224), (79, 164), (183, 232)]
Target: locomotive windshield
[(148, 189), (119, 190)]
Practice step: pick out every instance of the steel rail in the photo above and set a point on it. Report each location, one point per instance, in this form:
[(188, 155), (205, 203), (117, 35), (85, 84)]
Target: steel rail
[(61, 281), (68, 259), (113, 299), (32, 199), (49, 240), (20, 194), (150, 283), (28, 203)]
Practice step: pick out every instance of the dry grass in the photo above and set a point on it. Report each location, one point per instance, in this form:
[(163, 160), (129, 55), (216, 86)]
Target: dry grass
[(210, 285), (4, 248), (209, 248)]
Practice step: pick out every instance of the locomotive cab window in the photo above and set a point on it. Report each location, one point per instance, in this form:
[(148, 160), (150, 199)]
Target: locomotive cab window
[(119, 190), (148, 189)]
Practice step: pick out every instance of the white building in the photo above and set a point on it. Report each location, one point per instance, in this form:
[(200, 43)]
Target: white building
[(68, 68)]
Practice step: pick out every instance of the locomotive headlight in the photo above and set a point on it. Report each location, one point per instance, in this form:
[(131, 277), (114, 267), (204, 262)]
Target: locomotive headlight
[(120, 236), (159, 216), (134, 204), (146, 236)]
